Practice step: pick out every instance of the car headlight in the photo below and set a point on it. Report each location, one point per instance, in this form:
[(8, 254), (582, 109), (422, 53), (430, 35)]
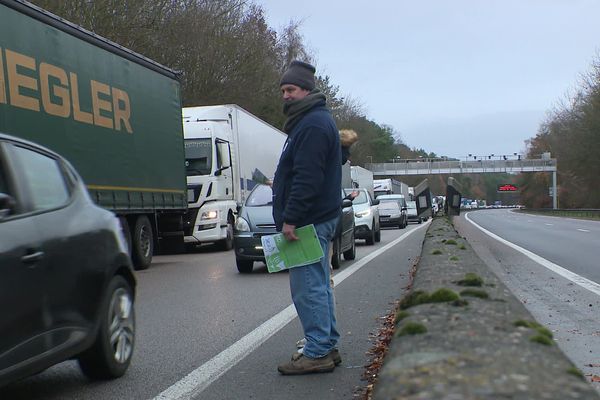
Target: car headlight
[(213, 214), (363, 214), (241, 225)]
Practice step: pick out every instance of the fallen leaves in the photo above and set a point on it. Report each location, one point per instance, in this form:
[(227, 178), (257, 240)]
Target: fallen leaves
[(378, 351)]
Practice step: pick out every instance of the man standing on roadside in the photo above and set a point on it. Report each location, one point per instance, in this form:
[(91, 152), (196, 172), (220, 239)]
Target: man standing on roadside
[(306, 190)]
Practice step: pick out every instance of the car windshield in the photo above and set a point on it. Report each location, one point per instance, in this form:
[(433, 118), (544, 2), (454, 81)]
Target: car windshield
[(198, 156), (262, 195), (390, 205), (411, 204), (360, 199)]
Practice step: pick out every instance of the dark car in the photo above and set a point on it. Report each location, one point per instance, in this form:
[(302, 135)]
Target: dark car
[(399, 198), (255, 219), (66, 281), (390, 214), (343, 241)]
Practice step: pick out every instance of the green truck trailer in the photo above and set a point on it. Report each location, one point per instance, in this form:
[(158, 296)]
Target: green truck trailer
[(114, 114)]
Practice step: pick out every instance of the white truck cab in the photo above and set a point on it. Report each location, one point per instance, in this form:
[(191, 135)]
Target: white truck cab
[(226, 149)]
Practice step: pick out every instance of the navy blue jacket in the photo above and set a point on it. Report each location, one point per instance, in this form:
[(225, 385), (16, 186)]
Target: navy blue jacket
[(307, 183)]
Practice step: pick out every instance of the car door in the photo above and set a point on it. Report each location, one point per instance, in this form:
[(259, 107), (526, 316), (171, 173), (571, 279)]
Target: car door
[(21, 275), (347, 227), (71, 249)]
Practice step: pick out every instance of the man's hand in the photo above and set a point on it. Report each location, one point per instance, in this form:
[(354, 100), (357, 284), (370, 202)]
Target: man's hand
[(288, 232)]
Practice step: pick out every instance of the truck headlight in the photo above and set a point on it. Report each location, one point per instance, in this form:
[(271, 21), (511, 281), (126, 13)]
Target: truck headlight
[(241, 225), (363, 214), (209, 215)]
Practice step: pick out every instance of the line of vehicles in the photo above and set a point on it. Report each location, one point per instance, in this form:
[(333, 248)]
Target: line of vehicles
[(84, 202)]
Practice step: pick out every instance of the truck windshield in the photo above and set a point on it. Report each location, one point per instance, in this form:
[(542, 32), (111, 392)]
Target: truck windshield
[(198, 156)]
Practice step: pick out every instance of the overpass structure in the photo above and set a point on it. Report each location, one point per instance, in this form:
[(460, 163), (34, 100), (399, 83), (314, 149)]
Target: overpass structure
[(482, 166)]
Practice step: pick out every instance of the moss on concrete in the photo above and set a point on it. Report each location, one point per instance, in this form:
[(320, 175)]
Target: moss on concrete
[(400, 315), (470, 279), (412, 328), (443, 295)]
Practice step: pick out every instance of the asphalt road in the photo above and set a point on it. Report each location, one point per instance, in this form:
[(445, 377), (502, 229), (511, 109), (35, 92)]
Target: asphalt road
[(570, 243), (559, 283), (197, 315)]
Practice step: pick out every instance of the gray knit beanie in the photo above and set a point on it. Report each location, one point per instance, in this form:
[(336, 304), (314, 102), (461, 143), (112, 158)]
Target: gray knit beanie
[(300, 74)]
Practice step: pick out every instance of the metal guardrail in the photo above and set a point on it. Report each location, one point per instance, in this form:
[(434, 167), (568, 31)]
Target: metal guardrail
[(590, 213), (428, 167)]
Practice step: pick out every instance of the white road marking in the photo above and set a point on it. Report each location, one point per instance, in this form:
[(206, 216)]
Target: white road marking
[(200, 378), (549, 224), (565, 273), (582, 230)]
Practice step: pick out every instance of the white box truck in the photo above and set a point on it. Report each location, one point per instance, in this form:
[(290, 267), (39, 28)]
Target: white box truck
[(362, 178), (390, 186), (227, 151)]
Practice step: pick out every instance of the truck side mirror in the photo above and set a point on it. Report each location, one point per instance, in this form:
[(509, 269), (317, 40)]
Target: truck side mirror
[(7, 205), (218, 172)]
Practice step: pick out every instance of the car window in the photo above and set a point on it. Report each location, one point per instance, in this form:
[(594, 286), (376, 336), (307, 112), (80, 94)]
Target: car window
[(262, 195), (44, 179), (389, 205), (3, 183), (360, 199)]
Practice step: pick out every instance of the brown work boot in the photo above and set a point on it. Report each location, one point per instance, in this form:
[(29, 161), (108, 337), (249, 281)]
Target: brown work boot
[(335, 356), (300, 365)]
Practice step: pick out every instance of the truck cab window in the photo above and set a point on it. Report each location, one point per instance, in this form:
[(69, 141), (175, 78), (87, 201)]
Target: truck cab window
[(223, 160), (43, 178), (198, 157)]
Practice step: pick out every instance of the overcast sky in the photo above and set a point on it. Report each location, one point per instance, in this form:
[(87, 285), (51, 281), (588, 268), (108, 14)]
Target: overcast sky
[(451, 76)]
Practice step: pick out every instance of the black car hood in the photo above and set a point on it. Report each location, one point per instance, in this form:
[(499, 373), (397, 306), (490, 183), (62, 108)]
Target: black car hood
[(259, 218)]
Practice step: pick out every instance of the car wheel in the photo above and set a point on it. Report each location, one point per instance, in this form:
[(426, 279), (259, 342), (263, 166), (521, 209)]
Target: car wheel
[(244, 266), (110, 355), (227, 243), (142, 243), (371, 238), (350, 254), (378, 234), (420, 220), (336, 256)]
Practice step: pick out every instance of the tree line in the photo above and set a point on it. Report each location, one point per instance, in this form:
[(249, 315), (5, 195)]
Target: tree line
[(225, 52), (571, 133)]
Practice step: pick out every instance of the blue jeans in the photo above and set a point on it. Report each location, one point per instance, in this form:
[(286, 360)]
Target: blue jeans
[(313, 298)]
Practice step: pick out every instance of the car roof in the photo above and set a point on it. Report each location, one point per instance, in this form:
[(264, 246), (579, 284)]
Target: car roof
[(14, 139)]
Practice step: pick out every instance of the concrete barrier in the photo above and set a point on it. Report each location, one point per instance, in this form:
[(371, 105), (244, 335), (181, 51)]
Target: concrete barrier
[(461, 334)]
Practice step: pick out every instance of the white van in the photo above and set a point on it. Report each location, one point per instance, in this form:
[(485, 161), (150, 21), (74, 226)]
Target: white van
[(366, 216)]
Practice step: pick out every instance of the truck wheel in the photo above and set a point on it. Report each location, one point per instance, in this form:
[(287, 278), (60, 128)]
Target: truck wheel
[(142, 243), (227, 243), (244, 266), (336, 256), (350, 254), (110, 355)]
